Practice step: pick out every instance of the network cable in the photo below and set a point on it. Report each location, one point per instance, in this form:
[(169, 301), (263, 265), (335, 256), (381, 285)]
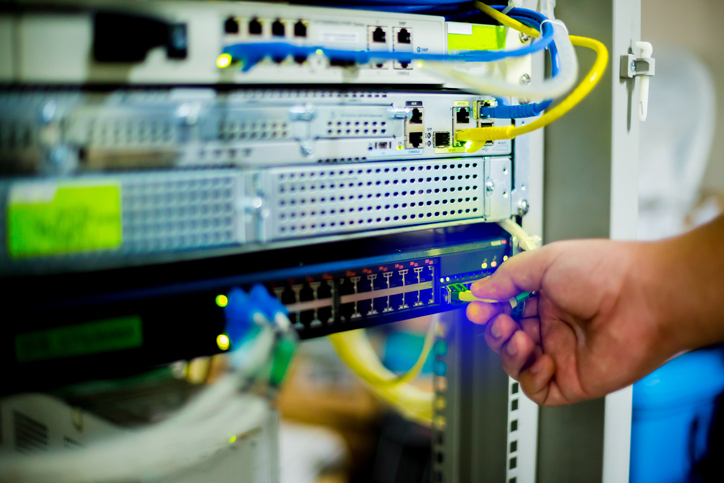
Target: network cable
[(355, 350), (503, 110), (249, 54), (476, 138), (261, 337)]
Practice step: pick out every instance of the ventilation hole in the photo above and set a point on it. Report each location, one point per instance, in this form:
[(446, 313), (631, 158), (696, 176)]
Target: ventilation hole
[(30, 435)]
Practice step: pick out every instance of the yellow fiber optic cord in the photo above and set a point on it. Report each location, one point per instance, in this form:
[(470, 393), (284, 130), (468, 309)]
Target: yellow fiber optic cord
[(475, 138), (355, 350)]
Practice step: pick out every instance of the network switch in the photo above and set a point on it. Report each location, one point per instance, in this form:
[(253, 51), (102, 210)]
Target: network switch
[(179, 43), (68, 131), (327, 288), (91, 221)]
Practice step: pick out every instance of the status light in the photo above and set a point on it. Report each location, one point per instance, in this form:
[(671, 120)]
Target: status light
[(223, 61), (222, 300), (222, 340)]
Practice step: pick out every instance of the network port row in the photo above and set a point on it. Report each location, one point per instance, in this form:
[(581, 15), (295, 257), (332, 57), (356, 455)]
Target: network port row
[(357, 295), (254, 27)]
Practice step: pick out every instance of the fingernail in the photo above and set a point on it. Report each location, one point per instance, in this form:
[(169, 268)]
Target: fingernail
[(511, 349), (535, 368), (495, 330)]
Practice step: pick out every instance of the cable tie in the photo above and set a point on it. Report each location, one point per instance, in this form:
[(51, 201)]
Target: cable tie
[(555, 21)]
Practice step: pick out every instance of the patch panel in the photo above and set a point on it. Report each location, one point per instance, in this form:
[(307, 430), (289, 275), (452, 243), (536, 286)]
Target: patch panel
[(337, 286), (65, 132), (76, 46)]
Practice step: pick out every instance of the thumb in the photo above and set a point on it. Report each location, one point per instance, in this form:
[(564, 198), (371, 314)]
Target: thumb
[(521, 273)]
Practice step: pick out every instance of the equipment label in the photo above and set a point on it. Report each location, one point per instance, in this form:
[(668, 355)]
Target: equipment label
[(48, 219), (75, 340), (338, 36)]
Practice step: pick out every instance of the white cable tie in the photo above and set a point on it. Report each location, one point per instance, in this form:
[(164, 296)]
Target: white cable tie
[(555, 22), (508, 9)]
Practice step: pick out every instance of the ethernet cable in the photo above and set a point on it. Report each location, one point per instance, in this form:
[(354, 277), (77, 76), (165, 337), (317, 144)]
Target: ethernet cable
[(551, 88), (208, 422), (250, 54), (505, 111), (476, 138), (355, 350)]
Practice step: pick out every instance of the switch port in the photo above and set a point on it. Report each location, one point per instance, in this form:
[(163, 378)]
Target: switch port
[(231, 26), (379, 35), (462, 116), (416, 117), (415, 139), (255, 27), (404, 36), (441, 139), (278, 29), (300, 29)]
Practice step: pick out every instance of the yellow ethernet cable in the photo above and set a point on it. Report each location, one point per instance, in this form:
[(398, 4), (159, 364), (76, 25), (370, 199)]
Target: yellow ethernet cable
[(354, 348), (476, 138), (506, 20)]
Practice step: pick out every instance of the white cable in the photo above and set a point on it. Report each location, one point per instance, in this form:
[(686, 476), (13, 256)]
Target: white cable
[(179, 442), (525, 241), (536, 90)]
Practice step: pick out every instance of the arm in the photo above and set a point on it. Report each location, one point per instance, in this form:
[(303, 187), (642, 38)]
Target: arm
[(606, 313)]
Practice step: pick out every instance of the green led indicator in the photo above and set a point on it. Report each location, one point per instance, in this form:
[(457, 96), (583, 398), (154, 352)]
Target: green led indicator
[(222, 300)]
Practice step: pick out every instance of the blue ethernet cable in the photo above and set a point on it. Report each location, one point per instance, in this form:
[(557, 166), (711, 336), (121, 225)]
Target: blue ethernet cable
[(505, 111), (251, 53)]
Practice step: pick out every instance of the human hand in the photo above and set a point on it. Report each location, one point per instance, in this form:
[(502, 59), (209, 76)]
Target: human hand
[(591, 328)]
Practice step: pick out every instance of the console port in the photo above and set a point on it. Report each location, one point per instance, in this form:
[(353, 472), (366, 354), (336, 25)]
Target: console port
[(300, 59), (255, 27), (379, 35), (462, 116), (441, 139), (278, 29), (415, 139), (403, 36), (404, 65), (416, 117), (300, 29), (231, 26)]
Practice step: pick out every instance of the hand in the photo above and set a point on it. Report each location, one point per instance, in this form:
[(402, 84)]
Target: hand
[(590, 329)]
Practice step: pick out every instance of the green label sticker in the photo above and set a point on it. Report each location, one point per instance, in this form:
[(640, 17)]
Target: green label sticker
[(482, 37), (76, 340), (48, 219)]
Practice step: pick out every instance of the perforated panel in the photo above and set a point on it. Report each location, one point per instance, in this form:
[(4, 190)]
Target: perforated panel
[(131, 132), (325, 200), (177, 210)]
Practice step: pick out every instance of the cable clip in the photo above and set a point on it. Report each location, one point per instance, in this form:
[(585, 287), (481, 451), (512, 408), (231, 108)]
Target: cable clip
[(644, 67), (555, 21)]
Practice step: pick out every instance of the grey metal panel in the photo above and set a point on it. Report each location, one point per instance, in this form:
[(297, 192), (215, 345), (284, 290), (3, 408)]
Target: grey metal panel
[(472, 434), (162, 128)]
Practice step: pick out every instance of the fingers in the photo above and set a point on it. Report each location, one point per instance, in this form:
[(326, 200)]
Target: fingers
[(481, 313), (521, 273), (499, 330), (536, 380)]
